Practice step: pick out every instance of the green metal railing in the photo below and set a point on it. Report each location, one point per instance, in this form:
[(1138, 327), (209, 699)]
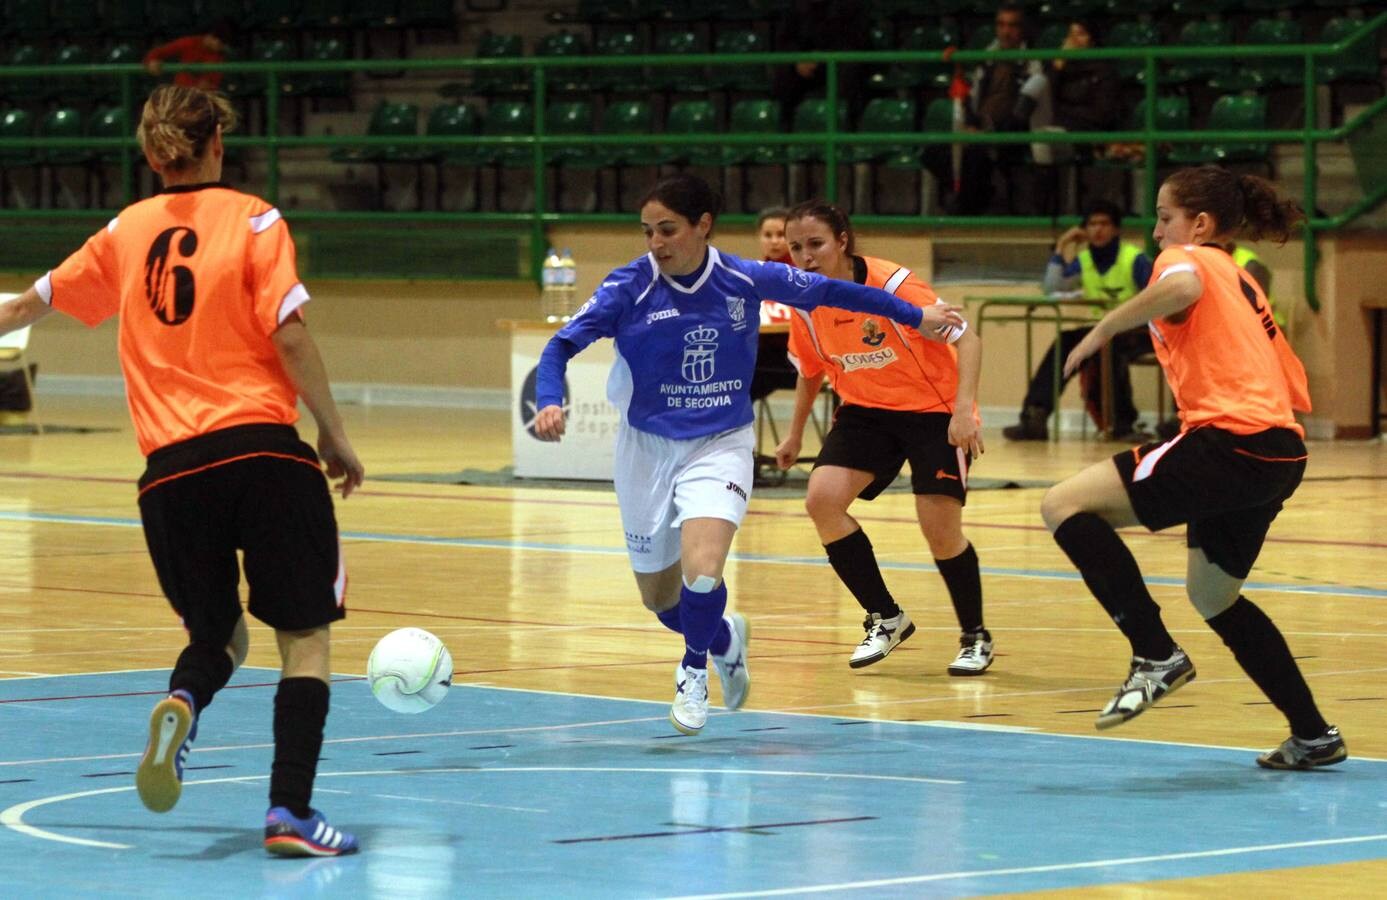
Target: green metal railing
[(272, 142)]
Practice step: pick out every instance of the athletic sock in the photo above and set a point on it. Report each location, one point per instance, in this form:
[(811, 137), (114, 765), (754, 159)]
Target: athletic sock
[(202, 670), (1111, 573), (301, 706), (721, 641), (964, 582), (1261, 650), (856, 564), (700, 614)]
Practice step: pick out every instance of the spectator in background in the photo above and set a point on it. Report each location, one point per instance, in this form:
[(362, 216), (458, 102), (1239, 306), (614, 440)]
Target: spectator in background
[(1091, 258), (209, 47), (1086, 93), (819, 26), (774, 371), (15, 402), (1005, 96)]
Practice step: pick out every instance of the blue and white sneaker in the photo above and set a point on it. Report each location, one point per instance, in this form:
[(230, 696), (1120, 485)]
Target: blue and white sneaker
[(172, 730), (731, 666), (288, 835), (689, 713)]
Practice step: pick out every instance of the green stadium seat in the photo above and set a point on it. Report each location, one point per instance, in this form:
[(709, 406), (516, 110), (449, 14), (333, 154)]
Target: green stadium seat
[(322, 84), (389, 120), (743, 77), (252, 85), (375, 14), (17, 123), (757, 116), (697, 117), (626, 117), (23, 91), (65, 89), (1255, 74), (754, 10), (886, 114), (450, 120), (1230, 113), (678, 10), (272, 15), (616, 42), (489, 82), (811, 116), (63, 122), (1133, 33), (1358, 63), (108, 122), (1051, 35), (1201, 33), (678, 42), (106, 89), (567, 118), (899, 76), (1068, 10), (564, 79)]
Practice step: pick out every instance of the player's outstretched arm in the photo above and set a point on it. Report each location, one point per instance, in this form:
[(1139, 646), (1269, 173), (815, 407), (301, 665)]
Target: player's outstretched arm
[(299, 354), (26, 309)]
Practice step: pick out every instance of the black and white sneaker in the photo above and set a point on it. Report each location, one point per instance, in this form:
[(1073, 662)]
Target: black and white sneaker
[(1147, 681), (974, 653), (1297, 753), (882, 637)]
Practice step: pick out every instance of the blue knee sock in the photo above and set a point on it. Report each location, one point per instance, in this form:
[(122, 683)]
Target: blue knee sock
[(670, 619), (700, 613)]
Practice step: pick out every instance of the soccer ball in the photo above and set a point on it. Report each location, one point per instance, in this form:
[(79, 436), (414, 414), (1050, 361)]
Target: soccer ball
[(410, 670)]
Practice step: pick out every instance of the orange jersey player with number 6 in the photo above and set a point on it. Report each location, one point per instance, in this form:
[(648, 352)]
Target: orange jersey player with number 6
[(1239, 456), (216, 355), (904, 398)]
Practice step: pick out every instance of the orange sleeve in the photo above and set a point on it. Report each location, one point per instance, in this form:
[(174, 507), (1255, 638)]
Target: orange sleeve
[(803, 354), (274, 275), (916, 292), (1170, 258), (86, 285)]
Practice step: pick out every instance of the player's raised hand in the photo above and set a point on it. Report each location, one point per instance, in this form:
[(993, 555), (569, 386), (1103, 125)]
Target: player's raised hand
[(549, 423), (939, 318)]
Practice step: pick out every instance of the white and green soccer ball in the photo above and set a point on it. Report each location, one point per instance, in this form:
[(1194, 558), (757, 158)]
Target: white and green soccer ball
[(410, 670)]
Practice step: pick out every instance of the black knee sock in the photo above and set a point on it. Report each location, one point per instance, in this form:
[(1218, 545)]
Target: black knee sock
[(964, 582), (1111, 573), (852, 558), (1260, 649), (201, 670), (300, 713)]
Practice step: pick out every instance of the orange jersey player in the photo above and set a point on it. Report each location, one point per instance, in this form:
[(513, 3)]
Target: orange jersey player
[(216, 356), (1238, 457), (904, 398)]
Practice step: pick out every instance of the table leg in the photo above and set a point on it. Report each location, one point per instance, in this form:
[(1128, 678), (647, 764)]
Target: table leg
[(1106, 389), (1376, 422)]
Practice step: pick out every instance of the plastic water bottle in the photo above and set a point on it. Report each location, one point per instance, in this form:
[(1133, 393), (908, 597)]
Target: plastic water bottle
[(551, 299), (568, 283)]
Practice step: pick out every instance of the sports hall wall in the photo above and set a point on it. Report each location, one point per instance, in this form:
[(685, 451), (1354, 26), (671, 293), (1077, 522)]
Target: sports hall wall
[(445, 341)]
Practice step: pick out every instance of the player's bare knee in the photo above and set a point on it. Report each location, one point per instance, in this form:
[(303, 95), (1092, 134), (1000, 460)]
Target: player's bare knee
[(1056, 506), (239, 645)]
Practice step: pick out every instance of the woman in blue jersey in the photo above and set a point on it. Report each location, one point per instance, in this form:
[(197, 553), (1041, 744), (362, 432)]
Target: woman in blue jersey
[(685, 320)]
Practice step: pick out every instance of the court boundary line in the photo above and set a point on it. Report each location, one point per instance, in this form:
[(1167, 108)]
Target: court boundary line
[(720, 714), (1319, 590)]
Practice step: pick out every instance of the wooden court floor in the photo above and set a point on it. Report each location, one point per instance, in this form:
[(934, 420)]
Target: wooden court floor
[(530, 588)]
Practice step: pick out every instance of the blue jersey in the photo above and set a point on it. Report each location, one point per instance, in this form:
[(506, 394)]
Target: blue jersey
[(685, 352)]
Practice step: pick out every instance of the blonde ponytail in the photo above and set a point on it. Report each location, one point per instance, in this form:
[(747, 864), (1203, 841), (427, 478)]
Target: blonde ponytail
[(177, 122)]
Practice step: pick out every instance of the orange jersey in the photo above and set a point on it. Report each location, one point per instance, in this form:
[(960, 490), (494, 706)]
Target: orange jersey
[(1227, 363), (201, 277), (871, 361)]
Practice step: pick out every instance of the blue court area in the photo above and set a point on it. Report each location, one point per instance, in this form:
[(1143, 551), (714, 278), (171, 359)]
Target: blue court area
[(502, 793)]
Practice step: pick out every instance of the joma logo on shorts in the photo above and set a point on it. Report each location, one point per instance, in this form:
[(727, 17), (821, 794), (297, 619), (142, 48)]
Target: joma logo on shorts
[(736, 489)]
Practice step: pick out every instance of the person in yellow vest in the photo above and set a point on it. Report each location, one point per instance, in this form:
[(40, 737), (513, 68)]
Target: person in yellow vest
[(1093, 259)]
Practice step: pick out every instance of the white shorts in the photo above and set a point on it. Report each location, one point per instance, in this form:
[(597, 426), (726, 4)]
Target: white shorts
[(661, 481)]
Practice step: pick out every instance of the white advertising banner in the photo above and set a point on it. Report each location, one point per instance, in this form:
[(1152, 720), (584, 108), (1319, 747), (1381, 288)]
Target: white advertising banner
[(587, 447)]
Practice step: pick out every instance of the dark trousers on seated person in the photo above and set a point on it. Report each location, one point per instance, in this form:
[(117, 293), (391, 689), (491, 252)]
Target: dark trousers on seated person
[(1127, 346)]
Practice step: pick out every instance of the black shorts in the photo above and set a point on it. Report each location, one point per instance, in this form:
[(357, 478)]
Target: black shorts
[(881, 440), (253, 488), (1228, 487)]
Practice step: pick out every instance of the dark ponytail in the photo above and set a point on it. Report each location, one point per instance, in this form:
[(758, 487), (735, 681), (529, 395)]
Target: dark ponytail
[(1264, 213), (1240, 205), (837, 221)]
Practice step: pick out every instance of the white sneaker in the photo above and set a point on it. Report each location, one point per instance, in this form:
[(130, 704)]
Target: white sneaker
[(882, 637), (1148, 680), (731, 666), (974, 654), (690, 710)]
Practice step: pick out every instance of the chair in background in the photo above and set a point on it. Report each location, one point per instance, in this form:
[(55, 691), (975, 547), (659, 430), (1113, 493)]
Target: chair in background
[(14, 349)]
